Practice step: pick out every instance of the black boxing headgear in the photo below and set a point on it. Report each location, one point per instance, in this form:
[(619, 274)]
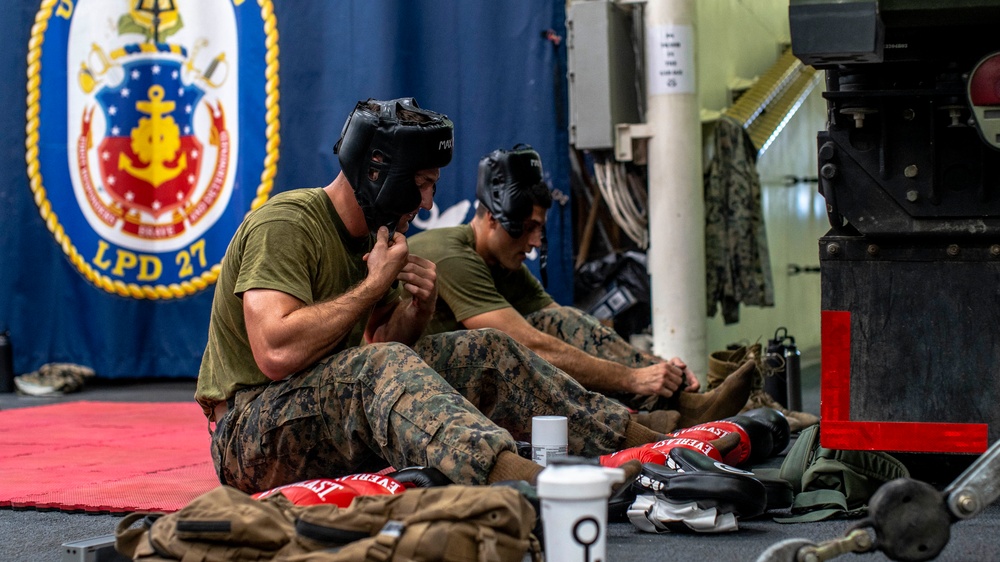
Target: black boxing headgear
[(382, 147), (506, 179)]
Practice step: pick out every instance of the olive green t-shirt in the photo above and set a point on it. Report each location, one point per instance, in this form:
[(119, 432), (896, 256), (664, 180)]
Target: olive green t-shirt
[(466, 285), (296, 243)]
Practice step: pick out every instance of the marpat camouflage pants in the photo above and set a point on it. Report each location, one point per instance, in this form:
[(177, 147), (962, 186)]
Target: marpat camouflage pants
[(586, 333), (381, 405)]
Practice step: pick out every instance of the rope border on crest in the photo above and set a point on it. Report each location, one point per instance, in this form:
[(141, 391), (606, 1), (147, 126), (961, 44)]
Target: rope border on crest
[(134, 290)]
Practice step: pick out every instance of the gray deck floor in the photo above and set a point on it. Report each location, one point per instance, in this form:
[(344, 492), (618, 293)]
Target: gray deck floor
[(36, 536)]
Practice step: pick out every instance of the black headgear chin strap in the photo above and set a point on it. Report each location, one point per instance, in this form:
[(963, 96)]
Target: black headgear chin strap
[(543, 260)]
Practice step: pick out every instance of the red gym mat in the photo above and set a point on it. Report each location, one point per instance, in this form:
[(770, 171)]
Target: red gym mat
[(104, 457)]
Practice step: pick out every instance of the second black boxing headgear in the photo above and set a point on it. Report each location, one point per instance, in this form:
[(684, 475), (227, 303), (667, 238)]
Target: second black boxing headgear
[(382, 147), (508, 185)]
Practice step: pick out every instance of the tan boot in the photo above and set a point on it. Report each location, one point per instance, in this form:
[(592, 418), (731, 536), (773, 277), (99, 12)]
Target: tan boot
[(722, 363), (726, 399)]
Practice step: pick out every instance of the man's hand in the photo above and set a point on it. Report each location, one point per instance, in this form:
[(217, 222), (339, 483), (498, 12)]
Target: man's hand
[(419, 277), (661, 379), (386, 259), (692, 380)]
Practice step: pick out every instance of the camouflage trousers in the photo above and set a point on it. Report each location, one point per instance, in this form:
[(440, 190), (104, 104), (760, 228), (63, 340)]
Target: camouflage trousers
[(586, 333), (453, 402)]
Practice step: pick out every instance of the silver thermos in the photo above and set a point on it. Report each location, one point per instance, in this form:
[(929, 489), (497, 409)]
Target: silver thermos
[(784, 360), (793, 372)]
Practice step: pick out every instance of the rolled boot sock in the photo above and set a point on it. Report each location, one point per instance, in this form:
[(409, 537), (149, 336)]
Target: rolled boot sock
[(637, 435), (661, 421), (725, 400), (511, 466)]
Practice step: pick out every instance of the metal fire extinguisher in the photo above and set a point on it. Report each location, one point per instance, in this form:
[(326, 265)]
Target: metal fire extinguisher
[(784, 358), (6, 364)]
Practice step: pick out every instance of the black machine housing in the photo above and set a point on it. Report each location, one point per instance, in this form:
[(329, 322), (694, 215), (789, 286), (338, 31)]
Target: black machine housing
[(910, 171)]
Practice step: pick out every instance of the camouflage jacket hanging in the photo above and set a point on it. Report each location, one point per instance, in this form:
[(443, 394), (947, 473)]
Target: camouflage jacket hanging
[(737, 264)]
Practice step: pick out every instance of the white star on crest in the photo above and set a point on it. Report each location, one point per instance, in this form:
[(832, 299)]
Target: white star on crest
[(130, 196), (114, 131), (187, 108), (156, 205), (194, 154), (180, 92), (180, 196), (187, 130), (190, 180), (156, 69), (112, 180), (112, 110), (174, 74), (125, 92), (135, 74), (105, 155)]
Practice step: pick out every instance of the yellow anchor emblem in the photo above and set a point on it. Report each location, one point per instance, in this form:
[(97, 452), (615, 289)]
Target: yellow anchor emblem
[(155, 141)]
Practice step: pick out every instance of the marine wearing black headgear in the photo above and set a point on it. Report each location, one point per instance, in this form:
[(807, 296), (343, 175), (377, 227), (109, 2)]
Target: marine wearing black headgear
[(505, 185), (382, 147)]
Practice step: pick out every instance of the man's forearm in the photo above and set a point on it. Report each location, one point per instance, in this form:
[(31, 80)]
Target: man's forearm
[(593, 373), (405, 324), (307, 334)]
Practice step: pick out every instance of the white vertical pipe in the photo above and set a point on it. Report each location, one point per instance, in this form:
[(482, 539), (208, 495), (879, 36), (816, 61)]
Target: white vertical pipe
[(676, 255)]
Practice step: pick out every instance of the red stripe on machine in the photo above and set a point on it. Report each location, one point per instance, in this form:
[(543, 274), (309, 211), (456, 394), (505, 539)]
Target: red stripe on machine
[(917, 437), (835, 392), (840, 432)]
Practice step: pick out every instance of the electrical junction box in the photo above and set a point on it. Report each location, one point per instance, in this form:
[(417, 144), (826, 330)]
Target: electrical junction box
[(602, 72)]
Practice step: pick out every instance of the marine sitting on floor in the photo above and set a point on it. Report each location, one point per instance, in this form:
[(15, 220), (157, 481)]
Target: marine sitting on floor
[(484, 283), (292, 391)]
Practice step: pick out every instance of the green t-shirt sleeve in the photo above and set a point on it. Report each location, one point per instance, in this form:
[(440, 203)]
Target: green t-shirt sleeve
[(276, 256), (524, 291), (466, 285)]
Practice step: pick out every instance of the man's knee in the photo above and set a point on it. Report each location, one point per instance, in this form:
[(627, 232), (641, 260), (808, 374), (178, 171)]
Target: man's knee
[(463, 339)]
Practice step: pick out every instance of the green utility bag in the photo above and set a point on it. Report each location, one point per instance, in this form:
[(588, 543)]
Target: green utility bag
[(440, 524), (832, 483)]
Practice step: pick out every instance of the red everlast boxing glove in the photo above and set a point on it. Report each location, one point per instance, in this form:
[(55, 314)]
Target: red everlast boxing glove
[(337, 491), (656, 453), (685, 442), (763, 434), (368, 484), (711, 431), (776, 424), (642, 454), (312, 492)]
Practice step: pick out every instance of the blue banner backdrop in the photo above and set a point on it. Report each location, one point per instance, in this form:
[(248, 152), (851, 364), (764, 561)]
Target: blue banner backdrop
[(112, 235)]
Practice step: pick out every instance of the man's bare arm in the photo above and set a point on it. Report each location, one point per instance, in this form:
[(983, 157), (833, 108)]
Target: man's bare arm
[(286, 335), (592, 372)]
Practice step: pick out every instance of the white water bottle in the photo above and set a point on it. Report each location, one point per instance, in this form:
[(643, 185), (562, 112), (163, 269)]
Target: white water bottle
[(575, 510)]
